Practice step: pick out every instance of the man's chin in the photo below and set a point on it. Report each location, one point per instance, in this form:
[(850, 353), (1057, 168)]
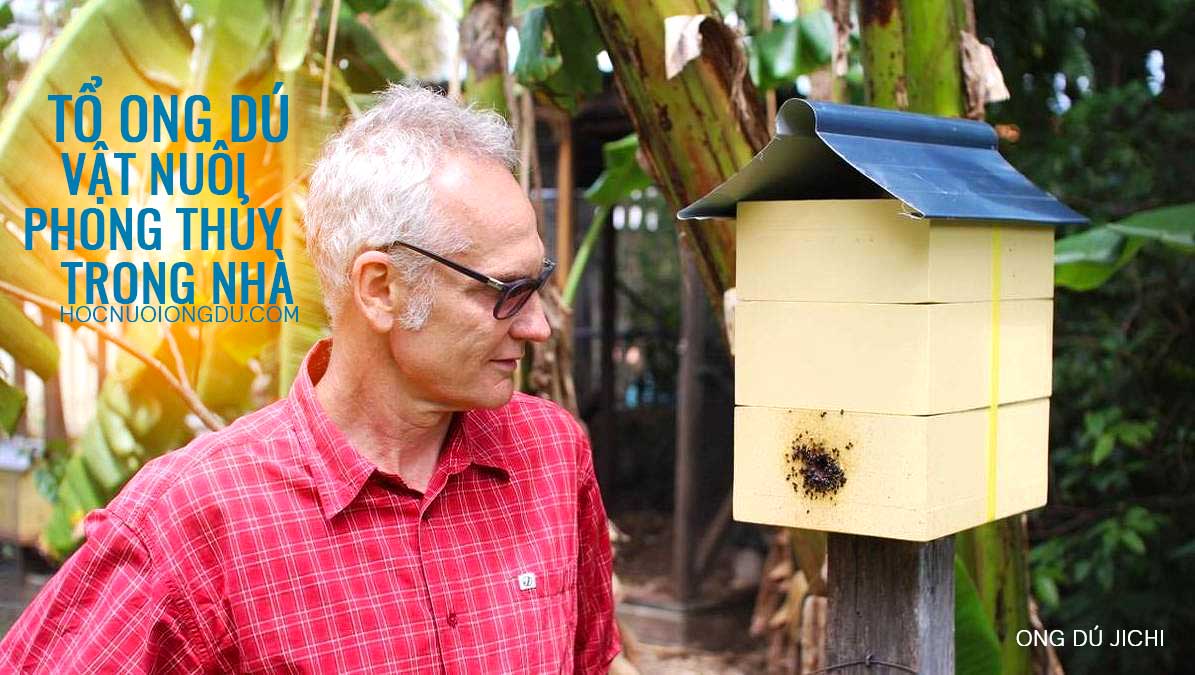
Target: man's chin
[(495, 398)]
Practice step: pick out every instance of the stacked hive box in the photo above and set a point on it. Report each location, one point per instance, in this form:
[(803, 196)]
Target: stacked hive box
[(913, 354), (893, 329)]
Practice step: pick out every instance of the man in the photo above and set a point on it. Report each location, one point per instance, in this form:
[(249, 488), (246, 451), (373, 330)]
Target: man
[(402, 510)]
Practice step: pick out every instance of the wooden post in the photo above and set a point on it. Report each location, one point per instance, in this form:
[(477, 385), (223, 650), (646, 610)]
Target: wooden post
[(564, 200), (891, 603), (688, 427), (604, 460)]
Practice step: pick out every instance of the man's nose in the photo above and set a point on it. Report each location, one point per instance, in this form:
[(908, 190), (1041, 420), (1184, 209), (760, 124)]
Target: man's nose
[(531, 323)]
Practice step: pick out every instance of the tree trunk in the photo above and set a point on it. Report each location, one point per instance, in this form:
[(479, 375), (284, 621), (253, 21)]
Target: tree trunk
[(483, 39), (881, 27), (840, 10), (933, 63), (696, 129)]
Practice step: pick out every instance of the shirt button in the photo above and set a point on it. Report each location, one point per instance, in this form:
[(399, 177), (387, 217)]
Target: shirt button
[(452, 619)]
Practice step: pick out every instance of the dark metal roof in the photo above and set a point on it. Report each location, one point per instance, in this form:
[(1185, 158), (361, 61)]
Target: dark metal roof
[(939, 167)]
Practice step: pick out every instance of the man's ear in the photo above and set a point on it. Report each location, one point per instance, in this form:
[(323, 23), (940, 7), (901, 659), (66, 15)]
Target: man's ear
[(375, 290)]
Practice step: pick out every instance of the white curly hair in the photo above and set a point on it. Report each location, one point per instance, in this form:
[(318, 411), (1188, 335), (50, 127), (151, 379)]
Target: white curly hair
[(371, 187)]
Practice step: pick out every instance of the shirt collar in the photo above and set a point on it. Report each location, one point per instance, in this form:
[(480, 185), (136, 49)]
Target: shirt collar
[(339, 471)]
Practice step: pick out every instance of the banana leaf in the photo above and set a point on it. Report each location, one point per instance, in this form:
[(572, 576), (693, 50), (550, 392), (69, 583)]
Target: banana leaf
[(298, 24), (25, 341), (149, 50), (153, 47), (223, 48), (12, 404)]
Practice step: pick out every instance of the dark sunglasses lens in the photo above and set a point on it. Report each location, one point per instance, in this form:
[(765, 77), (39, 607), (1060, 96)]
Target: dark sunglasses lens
[(510, 303)]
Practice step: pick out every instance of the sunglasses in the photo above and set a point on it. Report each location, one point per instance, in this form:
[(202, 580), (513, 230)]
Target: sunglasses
[(512, 295)]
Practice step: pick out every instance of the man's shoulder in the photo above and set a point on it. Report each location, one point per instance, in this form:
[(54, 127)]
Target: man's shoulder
[(212, 471)]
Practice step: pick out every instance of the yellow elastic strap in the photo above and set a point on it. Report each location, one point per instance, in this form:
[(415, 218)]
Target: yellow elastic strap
[(994, 393)]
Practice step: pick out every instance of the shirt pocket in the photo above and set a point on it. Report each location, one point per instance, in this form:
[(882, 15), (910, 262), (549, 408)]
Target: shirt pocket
[(545, 583), (551, 608)]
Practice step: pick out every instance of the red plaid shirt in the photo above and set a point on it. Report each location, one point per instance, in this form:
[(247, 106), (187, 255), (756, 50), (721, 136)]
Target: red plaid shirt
[(273, 546)]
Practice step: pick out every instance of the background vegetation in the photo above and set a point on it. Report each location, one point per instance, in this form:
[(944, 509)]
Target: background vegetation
[(1110, 130)]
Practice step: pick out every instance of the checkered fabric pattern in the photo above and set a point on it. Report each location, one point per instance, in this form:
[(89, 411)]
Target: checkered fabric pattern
[(273, 546)]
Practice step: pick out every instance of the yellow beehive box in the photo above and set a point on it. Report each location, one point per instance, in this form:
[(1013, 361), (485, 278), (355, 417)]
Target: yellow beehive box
[(912, 477), (871, 250), (895, 359), (893, 330), (866, 317)]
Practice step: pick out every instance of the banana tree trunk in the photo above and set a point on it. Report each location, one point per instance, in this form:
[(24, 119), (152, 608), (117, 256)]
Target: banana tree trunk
[(911, 55), (483, 39), (912, 61), (697, 128), (881, 27)]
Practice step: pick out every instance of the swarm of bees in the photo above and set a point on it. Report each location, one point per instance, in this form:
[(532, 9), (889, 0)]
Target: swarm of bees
[(813, 468)]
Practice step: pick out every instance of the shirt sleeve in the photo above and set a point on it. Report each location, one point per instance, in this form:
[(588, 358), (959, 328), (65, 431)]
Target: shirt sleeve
[(597, 641), (107, 610)]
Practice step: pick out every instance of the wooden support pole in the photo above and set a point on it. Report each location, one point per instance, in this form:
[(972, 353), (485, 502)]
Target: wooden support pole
[(564, 201), (694, 314), (715, 535), (891, 604), (604, 460)]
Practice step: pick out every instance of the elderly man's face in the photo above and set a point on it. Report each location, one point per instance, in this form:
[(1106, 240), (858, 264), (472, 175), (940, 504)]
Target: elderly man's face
[(463, 357)]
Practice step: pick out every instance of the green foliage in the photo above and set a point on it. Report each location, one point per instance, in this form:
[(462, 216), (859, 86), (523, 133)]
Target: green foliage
[(1115, 152), (1170, 225), (563, 70), (366, 6), (24, 340), (1111, 542), (1086, 260), (1116, 544), (360, 44), (621, 174), (138, 416), (49, 468), (790, 49), (620, 177), (298, 23), (302, 150), (1106, 429), (579, 43), (536, 62), (12, 404), (976, 648), (522, 7)]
